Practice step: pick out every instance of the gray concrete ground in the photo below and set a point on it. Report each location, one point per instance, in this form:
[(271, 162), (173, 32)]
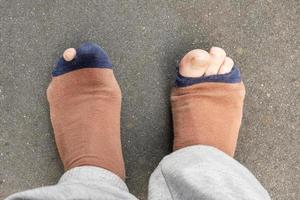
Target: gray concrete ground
[(145, 40)]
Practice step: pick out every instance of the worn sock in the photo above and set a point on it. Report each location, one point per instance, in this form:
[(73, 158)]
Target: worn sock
[(85, 105), (208, 110)]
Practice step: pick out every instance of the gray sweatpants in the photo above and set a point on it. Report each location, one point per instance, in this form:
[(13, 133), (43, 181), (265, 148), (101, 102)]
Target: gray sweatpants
[(196, 172)]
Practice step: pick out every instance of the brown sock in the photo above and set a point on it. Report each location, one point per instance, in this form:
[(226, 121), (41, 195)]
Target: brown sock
[(85, 105), (208, 114)]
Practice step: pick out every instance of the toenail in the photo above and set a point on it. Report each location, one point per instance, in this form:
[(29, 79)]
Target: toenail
[(69, 54)]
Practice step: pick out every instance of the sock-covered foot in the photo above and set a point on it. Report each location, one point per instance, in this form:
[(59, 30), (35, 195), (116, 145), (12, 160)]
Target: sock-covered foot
[(85, 104), (207, 101)]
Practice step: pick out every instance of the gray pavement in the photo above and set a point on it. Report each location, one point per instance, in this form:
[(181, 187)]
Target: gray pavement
[(145, 40)]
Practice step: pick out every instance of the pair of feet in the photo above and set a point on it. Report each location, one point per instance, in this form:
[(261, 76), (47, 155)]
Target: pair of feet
[(85, 106)]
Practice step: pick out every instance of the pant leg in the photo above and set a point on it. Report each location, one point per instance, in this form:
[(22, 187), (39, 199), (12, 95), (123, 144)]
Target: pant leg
[(206, 173), (83, 183)]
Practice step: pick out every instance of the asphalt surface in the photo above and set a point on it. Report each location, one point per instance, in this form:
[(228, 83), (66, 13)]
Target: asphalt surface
[(145, 40)]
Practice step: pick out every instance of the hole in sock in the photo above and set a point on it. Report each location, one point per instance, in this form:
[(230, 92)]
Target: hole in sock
[(88, 55), (233, 76)]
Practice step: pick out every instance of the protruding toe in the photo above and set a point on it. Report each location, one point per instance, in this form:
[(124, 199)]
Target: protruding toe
[(217, 56), (194, 63), (227, 65), (198, 66), (69, 54)]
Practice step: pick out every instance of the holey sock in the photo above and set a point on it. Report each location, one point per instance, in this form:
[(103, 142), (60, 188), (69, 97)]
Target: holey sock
[(85, 104), (208, 110)]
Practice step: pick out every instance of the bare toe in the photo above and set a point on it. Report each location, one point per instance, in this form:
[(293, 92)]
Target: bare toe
[(217, 57), (69, 54), (194, 63), (226, 66)]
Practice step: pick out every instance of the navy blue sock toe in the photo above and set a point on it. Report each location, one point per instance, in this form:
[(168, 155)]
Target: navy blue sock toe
[(88, 55), (234, 76)]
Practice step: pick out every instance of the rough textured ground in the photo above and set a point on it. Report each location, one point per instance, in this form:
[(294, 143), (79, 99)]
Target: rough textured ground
[(145, 40)]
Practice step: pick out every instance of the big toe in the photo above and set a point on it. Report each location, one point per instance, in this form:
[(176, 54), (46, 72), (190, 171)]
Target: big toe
[(194, 63), (69, 54)]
